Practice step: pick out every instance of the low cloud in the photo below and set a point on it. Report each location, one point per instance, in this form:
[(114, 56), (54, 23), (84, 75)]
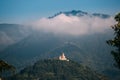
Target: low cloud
[(74, 25)]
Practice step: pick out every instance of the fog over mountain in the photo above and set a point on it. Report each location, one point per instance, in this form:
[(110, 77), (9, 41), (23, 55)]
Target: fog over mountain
[(75, 23), (80, 35), (11, 34)]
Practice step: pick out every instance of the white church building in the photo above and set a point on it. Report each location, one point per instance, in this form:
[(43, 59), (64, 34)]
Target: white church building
[(63, 58)]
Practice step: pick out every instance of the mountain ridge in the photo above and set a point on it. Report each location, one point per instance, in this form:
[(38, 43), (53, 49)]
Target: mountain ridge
[(80, 13)]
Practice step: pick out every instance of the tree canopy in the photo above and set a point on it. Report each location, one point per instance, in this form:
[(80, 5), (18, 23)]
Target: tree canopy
[(57, 70), (115, 42)]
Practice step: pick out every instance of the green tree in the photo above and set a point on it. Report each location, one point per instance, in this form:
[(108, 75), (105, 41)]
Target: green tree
[(115, 42)]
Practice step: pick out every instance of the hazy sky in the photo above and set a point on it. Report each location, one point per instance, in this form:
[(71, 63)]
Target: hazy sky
[(18, 11)]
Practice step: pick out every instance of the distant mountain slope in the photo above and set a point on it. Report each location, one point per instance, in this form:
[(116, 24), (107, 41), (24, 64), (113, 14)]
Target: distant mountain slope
[(30, 49), (57, 70), (11, 34), (70, 49)]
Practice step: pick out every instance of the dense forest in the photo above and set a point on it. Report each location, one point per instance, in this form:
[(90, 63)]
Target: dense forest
[(51, 69)]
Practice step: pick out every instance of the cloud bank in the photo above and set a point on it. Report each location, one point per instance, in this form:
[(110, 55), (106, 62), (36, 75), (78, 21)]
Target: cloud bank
[(74, 25)]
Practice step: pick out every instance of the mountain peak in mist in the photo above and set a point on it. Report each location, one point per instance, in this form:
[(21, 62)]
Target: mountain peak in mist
[(80, 13)]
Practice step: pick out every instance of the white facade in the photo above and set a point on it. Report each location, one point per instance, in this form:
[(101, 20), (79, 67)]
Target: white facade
[(62, 57)]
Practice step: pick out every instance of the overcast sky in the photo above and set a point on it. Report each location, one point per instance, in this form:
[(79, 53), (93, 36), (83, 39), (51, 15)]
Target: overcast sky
[(19, 11)]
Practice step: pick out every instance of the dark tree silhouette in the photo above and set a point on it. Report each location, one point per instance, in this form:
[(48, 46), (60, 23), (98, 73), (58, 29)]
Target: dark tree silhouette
[(115, 42), (4, 66)]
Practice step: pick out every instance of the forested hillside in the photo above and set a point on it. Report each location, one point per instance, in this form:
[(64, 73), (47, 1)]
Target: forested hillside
[(57, 70)]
